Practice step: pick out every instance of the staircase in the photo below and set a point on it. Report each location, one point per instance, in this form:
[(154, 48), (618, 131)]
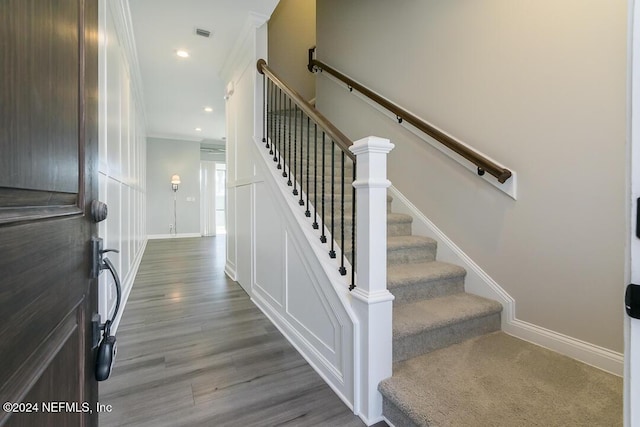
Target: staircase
[(431, 309), (452, 365)]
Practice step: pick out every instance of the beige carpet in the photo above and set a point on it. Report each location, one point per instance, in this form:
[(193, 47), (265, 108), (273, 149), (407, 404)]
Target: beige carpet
[(498, 380)]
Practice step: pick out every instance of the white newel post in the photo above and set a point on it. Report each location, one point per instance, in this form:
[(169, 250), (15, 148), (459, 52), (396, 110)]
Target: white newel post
[(371, 299)]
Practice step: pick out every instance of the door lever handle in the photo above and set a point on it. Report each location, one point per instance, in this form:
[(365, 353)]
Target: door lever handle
[(97, 256), (108, 265), (104, 251)]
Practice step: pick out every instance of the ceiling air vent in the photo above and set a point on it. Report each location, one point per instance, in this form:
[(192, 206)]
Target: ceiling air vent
[(203, 33)]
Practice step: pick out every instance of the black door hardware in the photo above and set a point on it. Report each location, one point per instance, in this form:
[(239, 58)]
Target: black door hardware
[(99, 211), (107, 343), (632, 301)]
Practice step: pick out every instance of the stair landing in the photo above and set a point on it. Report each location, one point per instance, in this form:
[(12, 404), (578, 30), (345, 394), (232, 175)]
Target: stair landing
[(499, 380)]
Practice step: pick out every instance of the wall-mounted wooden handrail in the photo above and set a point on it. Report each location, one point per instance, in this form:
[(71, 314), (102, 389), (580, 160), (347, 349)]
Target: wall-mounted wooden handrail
[(483, 164), (333, 132)]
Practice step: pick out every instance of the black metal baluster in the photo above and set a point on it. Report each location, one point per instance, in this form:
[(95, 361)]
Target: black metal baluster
[(323, 237), (279, 129), (332, 252), (353, 232), (315, 176), (301, 201), (276, 126), (288, 149), (285, 131), (342, 269), (264, 109), (268, 113), (307, 213), (295, 150), (272, 117)]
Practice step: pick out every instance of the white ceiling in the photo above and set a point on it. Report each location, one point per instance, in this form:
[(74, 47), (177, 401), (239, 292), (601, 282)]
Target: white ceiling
[(176, 90)]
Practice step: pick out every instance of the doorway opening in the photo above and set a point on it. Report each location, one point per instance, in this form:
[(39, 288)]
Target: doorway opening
[(212, 198)]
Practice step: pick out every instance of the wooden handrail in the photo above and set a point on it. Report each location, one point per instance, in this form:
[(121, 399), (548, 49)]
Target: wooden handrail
[(333, 132), (453, 144)]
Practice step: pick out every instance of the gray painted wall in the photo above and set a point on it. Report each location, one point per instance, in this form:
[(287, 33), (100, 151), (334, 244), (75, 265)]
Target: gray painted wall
[(166, 157), (539, 86), (288, 55)]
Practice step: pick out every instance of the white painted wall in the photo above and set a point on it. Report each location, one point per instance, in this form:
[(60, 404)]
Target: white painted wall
[(165, 158), (241, 110), (122, 157), (632, 326), (268, 252), (539, 86)]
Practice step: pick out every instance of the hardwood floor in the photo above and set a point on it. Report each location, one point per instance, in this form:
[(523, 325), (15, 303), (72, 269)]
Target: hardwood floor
[(194, 350)]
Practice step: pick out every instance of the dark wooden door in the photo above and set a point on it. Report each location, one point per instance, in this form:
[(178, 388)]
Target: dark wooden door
[(48, 177)]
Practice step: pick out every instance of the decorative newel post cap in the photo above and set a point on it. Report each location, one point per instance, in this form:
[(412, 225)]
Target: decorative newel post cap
[(371, 144)]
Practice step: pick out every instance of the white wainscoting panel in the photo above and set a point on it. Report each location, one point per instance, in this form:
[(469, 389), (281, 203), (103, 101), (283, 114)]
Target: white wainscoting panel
[(122, 155), (308, 307), (270, 240), (244, 236), (317, 317), (230, 267)]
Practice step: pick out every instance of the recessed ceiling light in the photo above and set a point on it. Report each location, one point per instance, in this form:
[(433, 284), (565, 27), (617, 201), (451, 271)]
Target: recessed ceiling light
[(182, 53), (198, 129), (208, 109)]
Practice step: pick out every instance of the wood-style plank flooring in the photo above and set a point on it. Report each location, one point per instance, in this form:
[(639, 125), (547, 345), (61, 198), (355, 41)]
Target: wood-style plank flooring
[(194, 350)]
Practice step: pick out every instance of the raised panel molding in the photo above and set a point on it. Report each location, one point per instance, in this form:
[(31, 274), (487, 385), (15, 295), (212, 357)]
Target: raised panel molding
[(268, 250), (122, 155), (336, 379), (127, 285), (333, 359), (304, 310)]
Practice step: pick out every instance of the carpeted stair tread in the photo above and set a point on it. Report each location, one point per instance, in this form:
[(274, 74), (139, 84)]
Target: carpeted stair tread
[(327, 197), (392, 218), (426, 315), (424, 280), (404, 242), (499, 380), (415, 273), (407, 249)]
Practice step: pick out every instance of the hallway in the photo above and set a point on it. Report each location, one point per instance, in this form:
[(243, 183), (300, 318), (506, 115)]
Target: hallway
[(194, 350)]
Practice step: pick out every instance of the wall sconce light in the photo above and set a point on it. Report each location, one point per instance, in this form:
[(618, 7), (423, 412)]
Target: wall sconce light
[(175, 180)]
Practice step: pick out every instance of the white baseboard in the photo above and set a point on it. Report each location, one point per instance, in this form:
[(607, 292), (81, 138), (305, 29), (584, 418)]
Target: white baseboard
[(596, 356), (480, 283), (127, 285), (172, 236), (368, 422), (387, 421), (230, 271)]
